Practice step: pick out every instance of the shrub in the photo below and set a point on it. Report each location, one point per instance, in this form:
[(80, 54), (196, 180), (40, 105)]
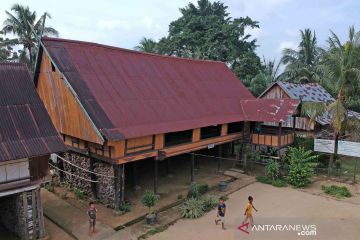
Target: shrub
[(336, 191), (263, 179), (302, 166), (192, 208), (225, 197), (125, 207), (196, 190), (50, 187), (272, 170), (79, 194), (209, 202), (149, 199), (279, 183)]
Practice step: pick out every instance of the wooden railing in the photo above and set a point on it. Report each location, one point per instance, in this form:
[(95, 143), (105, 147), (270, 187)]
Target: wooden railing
[(272, 139)]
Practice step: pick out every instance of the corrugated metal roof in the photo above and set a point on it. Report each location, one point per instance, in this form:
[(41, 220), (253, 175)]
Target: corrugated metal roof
[(132, 94), (25, 127), (269, 110), (308, 92)]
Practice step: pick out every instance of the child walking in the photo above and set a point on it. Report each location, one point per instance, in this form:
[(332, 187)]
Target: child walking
[(91, 212), (248, 212), (221, 213)]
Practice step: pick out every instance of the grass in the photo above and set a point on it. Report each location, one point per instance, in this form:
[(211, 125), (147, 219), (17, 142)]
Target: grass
[(276, 183), (154, 231), (336, 191)]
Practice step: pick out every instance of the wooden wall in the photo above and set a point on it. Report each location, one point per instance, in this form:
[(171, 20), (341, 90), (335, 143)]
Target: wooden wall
[(61, 105), (275, 92)]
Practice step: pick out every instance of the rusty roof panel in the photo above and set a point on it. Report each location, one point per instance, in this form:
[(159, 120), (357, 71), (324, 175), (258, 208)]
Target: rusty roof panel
[(131, 94), (25, 127)]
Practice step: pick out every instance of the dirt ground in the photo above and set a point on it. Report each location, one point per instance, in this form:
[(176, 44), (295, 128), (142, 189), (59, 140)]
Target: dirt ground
[(333, 219)]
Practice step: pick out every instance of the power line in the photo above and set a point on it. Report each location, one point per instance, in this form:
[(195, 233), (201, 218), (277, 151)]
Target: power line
[(72, 174), (72, 164)]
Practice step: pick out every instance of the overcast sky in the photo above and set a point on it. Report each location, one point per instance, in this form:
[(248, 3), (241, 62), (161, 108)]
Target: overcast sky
[(123, 23)]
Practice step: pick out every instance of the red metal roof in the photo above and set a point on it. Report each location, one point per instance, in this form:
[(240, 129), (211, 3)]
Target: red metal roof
[(25, 127), (269, 110), (132, 94)]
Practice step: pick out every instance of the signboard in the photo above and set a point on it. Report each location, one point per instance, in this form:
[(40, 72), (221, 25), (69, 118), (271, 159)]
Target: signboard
[(349, 148), (345, 148), (324, 145), (211, 146)]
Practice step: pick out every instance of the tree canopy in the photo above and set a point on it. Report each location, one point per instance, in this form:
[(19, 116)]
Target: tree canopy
[(206, 31)]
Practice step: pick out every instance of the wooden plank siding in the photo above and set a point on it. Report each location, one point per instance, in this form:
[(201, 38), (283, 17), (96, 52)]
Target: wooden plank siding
[(276, 92), (64, 111), (272, 140)]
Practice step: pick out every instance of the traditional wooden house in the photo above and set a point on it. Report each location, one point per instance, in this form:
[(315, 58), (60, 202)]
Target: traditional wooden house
[(309, 92), (27, 137), (121, 106)]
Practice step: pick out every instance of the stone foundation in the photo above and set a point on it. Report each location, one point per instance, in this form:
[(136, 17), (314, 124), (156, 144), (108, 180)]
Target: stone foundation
[(104, 188), (22, 216)]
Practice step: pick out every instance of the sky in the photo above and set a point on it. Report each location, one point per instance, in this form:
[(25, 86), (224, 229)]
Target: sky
[(123, 23)]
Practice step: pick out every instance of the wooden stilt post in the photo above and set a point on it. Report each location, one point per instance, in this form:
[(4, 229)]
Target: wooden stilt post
[(92, 176), (279, 138), (119, 185), (40, 215), (156, 175), (192, 167), (61, 167), (219, 158), (25, 212), (134, 175)]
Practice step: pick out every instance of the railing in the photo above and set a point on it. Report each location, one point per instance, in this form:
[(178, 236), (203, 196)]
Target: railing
[(272, 139)]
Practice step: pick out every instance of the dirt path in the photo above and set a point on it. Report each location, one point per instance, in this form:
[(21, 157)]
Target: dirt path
[(277, 206)]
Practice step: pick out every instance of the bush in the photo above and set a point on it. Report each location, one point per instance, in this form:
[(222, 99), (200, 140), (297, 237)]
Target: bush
[(192, 208), (275, 183), (225, 197), (149, 199), (272, 170), (305, 142), (125, 207), (79, 194), (336, 191), (50, 187), (209, 202), (279, 183), (196, 190), (302, 166)]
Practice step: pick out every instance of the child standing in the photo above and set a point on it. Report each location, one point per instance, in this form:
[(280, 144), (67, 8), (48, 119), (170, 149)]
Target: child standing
[(248, 212), (221, 213), (91, 212)]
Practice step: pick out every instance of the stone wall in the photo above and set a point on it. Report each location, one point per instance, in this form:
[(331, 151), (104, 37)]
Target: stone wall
[(105, 186), (12, 214)]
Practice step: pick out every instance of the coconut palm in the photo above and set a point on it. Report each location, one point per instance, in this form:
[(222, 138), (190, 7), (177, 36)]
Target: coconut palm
[(19, 23), (302, 64), (340, 63), (147, 45)]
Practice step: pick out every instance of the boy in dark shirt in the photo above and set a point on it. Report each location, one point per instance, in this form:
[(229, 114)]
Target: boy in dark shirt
[(91, 212), (221, 213)]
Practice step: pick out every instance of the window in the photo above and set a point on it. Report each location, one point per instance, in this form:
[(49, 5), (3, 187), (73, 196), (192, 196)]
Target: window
[(235, 127), (176, 138), (211, 131)]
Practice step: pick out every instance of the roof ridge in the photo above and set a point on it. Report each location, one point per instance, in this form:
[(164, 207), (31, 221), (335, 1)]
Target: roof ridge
[(129, 50)]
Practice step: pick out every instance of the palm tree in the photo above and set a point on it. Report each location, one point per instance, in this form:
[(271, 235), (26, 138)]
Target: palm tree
[(147, 45), (343, 70), (272, 68), (6, 48), (302, 64), (18, 24)]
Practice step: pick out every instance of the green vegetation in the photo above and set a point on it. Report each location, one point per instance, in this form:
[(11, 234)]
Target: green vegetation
[(336, 191), (197, 190), (302, 166), (209, 202), (79, 193), (149, 199), (17, 23), (276, 183), (192, 208), (125, 207), (272, 170)]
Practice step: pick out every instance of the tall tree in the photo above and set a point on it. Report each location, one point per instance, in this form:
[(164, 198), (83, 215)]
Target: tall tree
[(18, 22), (205, 31), (6, 49), (342, 69), (303, 63), (148, 45)]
